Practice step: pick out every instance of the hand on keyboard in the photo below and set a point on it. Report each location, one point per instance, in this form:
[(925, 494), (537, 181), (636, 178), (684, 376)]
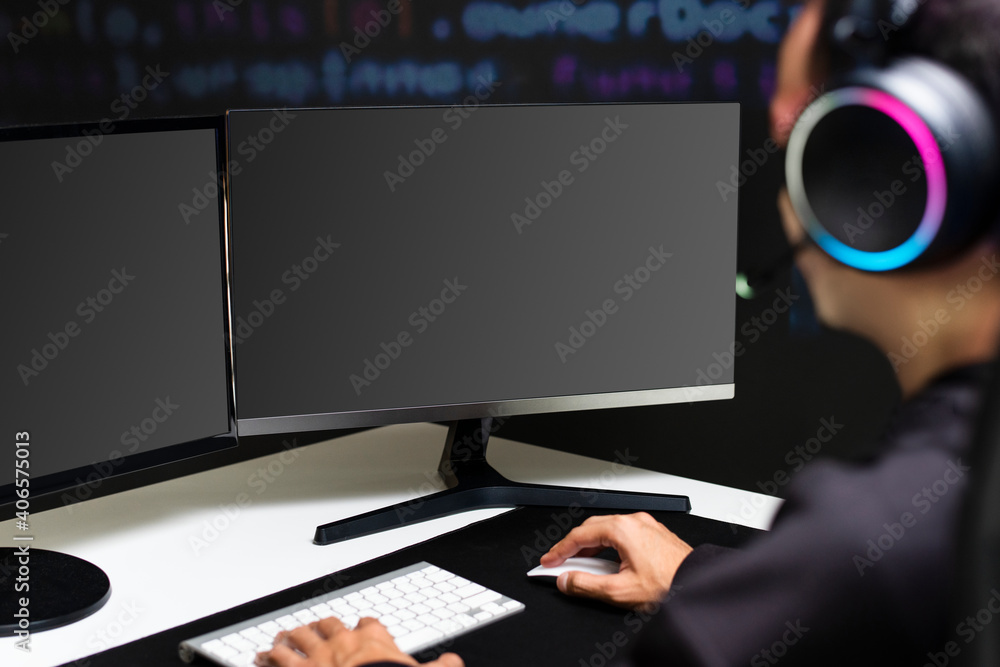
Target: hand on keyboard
[(417, 607), (329, 643)]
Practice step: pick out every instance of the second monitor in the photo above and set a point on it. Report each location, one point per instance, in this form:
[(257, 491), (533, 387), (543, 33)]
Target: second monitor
[(436, 263)]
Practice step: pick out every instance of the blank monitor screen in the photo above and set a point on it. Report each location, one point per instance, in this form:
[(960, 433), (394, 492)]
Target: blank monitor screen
[(115, 310), (408, 264)]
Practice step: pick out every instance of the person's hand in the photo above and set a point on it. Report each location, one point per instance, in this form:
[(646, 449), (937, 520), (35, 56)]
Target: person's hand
[(650, 555), (328, 643)]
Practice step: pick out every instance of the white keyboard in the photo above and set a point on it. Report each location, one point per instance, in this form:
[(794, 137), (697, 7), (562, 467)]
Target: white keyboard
[(421, 605)]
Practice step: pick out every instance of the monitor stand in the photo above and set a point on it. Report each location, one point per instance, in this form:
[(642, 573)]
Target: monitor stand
[(474, 484), (61, 589)]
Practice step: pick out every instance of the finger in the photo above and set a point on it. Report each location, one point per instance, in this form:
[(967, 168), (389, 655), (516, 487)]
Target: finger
[(584, 584), (447, 660), (590, 535), (371, 626), (280, 656), (329, 626), (551, 560), (315, 628), (263, 659), (594, 535), (304, 639)]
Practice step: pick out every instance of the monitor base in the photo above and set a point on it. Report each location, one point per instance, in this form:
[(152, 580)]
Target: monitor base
[(474, 484), (60, 589)]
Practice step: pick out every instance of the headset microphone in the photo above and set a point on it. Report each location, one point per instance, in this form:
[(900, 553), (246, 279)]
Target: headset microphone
[(749, 283)]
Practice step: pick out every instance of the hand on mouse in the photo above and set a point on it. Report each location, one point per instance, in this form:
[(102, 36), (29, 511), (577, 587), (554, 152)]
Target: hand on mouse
[(650, 555), (328, 643)]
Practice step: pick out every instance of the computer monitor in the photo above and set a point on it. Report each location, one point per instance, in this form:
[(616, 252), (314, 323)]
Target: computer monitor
[(115, 339), (467, 264)]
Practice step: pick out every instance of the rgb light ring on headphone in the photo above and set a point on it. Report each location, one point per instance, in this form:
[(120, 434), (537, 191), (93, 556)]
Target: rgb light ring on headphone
[(930, 154)]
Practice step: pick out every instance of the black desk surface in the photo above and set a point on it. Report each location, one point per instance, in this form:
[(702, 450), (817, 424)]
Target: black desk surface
[(553, 629)]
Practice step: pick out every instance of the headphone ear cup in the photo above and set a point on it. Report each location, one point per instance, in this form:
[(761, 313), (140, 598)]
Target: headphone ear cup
[(894, 168)]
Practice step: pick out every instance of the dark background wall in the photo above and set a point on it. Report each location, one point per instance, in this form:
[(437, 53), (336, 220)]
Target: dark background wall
[(87, 60)]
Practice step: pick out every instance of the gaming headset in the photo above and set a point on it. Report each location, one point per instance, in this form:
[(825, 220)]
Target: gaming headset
[(894, 165)]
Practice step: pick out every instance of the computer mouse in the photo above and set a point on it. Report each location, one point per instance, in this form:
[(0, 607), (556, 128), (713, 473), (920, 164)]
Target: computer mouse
[(591, 565)]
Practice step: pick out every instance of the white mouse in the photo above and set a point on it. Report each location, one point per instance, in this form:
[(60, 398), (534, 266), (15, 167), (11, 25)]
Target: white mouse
[(591, 565)]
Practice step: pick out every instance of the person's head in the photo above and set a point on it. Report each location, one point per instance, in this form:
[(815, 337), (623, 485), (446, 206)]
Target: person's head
[(889, 307)]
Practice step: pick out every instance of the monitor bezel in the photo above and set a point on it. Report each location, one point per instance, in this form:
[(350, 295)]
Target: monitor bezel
[(273, 425), (55, 489)]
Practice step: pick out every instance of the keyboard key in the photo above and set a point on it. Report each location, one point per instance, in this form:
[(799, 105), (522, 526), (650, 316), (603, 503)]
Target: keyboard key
[(214, 645), (222, 650), (466, 620), (287, 622), (245, 659), (398, 630), (493, 608), (469, 590), (242, 645), (481, 599), (343, 609), (418, 638), (322, 610), (439, 576), (428, 619), (270, 628), (447, 626), (253, 634)]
